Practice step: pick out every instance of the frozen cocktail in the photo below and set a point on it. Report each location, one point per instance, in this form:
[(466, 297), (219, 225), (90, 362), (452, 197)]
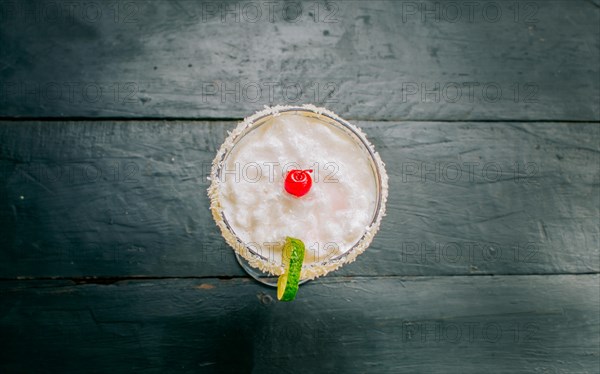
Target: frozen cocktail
[(291, 177)]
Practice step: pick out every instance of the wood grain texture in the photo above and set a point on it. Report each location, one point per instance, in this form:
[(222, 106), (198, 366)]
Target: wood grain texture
[(472, 105), (506, 324), (373, 60), (129, 199)]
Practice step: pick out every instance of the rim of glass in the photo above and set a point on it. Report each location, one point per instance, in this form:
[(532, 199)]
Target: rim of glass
[(259, 261)]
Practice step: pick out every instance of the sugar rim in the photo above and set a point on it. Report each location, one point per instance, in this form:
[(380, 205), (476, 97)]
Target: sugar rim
[(313, 270)]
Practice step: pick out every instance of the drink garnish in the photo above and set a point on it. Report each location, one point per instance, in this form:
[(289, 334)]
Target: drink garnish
[(292, 256), (298, 182)]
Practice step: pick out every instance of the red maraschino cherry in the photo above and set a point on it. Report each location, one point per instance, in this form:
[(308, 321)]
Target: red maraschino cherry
[(298, 182)]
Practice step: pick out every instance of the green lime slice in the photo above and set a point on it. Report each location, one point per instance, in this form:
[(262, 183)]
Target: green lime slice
[(293, 255)]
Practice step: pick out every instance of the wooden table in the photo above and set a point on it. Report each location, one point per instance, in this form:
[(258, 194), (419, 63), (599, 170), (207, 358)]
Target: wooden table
[(486, 114)]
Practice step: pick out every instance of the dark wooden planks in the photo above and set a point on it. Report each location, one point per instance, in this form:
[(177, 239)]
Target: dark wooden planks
[(506, 324), (115, 199), (371, 60), (128, 199)]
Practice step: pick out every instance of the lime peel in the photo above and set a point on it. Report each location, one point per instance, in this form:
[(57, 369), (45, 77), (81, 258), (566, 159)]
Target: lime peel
[(293, 256)]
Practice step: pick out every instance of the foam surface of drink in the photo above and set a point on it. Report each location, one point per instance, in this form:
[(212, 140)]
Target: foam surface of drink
[(329, 219)]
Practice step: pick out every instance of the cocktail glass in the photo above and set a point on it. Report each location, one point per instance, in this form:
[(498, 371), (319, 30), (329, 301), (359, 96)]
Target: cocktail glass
[(258, 261)]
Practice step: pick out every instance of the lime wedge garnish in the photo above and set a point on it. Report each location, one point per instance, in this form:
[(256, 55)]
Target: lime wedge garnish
[(293, 255)]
